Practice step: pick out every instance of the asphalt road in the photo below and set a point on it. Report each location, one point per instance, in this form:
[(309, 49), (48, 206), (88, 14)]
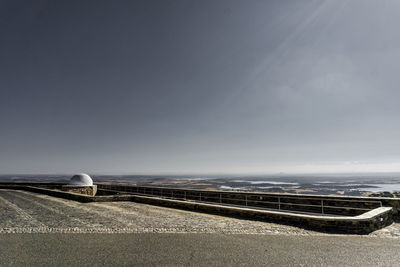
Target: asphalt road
[(154, 249)]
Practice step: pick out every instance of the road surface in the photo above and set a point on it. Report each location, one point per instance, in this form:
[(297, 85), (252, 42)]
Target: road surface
[(157, 249)]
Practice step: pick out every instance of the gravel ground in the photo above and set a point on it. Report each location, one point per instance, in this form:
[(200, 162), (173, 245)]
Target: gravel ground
[(26, 212)]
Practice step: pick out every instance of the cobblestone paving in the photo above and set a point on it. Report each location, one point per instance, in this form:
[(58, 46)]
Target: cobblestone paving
[(26, 212), (392, 231)]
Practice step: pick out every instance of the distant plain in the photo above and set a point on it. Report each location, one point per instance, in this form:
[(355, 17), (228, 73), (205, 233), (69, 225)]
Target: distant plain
[(326, 184)]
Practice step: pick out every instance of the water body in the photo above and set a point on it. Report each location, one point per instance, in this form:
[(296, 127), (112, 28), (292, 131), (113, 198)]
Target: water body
[(380, 187), (321, 184)]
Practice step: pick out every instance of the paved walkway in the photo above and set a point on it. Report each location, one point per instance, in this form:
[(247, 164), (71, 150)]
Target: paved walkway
[(26, 212)]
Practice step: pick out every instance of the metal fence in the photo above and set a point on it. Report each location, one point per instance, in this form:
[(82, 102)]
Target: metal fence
[(301, 203)]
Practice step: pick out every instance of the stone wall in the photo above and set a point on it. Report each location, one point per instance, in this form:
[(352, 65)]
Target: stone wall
[(362, 224), (85, 190)]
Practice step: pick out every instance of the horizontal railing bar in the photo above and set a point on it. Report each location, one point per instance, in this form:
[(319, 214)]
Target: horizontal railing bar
[(244, 193), (224, 203), (253, 195), (255, 201)]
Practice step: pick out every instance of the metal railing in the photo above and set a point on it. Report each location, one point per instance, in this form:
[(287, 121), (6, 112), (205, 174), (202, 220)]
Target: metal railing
[(318, 205)]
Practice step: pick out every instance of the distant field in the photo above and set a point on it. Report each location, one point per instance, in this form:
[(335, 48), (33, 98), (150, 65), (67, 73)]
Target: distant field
[(350, 184)]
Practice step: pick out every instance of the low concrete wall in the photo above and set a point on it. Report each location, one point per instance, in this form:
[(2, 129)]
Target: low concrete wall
[(361, 224), (56, 192), (61, 194), (86, 190)]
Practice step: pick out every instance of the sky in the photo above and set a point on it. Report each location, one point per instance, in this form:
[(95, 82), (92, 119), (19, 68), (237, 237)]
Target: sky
[(199, 86)]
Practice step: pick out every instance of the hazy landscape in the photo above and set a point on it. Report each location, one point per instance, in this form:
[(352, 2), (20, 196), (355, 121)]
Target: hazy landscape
[(384, 184)]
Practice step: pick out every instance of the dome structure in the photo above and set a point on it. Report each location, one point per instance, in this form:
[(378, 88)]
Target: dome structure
[(81, 179)]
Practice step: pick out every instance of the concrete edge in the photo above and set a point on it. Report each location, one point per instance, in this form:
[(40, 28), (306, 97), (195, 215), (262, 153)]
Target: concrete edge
[(373, 213), (365, 216)]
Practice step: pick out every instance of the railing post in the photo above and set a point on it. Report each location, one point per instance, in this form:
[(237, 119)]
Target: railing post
[(322, 206), (279, 203), (245, 197), (200, 196), (184, 195), (220, 197)]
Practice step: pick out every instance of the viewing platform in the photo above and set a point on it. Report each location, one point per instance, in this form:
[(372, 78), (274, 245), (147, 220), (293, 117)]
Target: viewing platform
[(322, 213)]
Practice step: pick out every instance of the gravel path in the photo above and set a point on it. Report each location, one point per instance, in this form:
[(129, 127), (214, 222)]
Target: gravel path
[(26, 212)]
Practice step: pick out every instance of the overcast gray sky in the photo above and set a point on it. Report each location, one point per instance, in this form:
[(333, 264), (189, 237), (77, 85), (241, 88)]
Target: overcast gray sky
[(199, 86)]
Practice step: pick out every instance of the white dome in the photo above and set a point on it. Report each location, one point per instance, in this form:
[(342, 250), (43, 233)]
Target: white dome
[(81, 179)]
